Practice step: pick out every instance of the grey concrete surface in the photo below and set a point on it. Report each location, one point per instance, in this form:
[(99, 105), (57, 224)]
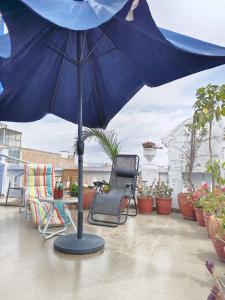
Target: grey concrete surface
[(150, 258)]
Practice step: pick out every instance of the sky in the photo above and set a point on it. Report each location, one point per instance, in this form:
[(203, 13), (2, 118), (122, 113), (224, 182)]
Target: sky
[(152, 113)]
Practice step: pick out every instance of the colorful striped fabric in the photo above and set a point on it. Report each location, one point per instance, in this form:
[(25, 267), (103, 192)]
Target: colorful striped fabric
[(39, 183)]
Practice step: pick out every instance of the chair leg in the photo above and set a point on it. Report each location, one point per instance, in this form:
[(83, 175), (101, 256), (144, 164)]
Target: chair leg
[(71, 220), (135, 207), (7, 196), (26, 214), (93, 221), (22, 200)]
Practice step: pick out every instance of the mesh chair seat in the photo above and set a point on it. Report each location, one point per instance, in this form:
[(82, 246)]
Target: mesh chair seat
[(108, 204), (122, 184)]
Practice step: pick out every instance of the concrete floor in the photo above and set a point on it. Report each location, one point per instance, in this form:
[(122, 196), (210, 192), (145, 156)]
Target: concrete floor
[(150, 258)]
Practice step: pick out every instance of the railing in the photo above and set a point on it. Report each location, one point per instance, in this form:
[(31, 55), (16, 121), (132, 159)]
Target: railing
[(15, 159)]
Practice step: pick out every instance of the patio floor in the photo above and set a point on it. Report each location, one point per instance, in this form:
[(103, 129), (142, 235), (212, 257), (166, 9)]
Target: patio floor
[(151, 257)]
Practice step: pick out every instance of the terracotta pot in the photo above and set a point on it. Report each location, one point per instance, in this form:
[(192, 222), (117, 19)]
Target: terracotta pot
[(199, 216), (218, 237), (206, 219), (88, 197), (145, 205), (58, 194), (186, 206), (163, 206)]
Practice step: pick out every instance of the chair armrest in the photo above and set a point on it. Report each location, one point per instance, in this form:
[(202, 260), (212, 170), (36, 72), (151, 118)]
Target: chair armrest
[(100, 183)]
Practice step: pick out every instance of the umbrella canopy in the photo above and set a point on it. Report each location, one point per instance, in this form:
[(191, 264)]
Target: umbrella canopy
[(120, 57)]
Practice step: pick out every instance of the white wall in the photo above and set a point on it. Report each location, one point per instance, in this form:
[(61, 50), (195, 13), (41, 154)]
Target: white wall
[(175, 142)]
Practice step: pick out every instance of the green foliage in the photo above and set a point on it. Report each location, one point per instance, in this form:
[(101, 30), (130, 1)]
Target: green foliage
[(74, 189), (106, 139), (199, 203), (162, 190), (212, 202), (214, 167), (210, 104)]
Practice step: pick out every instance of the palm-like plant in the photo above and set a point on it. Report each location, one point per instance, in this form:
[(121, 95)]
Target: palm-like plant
[(107, 139)]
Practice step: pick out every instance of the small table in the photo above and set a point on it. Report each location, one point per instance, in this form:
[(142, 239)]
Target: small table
[(48, 216)]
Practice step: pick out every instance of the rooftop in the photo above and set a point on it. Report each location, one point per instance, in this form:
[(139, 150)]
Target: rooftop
[(151, 257)]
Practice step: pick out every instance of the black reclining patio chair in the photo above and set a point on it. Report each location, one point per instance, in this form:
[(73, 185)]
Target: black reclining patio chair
[(107, 209)]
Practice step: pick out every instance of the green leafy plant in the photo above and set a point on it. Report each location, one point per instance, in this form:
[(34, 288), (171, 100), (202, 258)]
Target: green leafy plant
[(107, 139), (214, 167), (74, 189), (199, 203), (210, 105), (212, 202), (162, 190)]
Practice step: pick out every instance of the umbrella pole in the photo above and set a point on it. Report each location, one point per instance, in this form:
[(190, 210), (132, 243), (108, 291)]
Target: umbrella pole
[(80, 243), (80, 142)]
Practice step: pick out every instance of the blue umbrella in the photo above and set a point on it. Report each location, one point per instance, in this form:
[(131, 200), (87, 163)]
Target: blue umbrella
[(83, 61)]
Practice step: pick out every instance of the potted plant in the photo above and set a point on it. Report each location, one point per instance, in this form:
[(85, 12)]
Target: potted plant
[(186, 206), (209, 106), (163, 198), (149, 149), (193, 140), (74, 190), (198, 206), (210, 207), (58, 191), (145, 198), (217, 232)]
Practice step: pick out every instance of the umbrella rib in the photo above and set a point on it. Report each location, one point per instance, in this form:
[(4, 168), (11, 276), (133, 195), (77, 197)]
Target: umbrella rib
[(84, 42), (97, 43), (51, 45), (94, 82), (59, 76), (100, 55)]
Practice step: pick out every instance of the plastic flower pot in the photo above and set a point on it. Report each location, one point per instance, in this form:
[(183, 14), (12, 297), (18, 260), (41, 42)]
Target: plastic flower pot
[(206, 219), (88, 197), (186, 206), (145, 205), (199, 216), (163, 206), (217, 237), (58, 194)]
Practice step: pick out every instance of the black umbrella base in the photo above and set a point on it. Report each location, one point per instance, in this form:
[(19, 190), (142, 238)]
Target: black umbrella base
[(70, 244)]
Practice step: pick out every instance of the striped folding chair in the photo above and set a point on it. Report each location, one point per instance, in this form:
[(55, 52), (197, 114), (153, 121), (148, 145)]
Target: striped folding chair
[(39, 184)]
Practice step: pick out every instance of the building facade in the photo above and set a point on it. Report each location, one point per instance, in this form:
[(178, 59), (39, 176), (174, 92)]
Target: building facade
[(176, 142)]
